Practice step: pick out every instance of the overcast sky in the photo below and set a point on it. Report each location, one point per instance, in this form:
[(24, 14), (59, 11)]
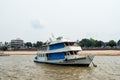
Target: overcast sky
[(34, 20)]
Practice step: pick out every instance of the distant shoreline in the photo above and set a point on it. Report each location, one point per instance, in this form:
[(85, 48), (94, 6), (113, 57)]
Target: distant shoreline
[(102, 52), (93, 52)]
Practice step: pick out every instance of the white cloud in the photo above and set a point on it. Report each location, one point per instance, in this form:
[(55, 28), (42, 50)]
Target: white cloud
[(36, 24)]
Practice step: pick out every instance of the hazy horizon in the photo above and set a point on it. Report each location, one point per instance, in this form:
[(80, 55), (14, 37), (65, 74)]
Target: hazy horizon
[(36, 20)]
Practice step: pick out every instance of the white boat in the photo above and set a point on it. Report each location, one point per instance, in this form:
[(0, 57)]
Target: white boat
[(63, 52)]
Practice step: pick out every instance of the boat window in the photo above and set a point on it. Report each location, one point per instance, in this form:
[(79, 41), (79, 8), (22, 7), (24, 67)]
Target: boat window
[(71, 44), (67, 53), (42, 55), (75, 52), (71, 52), (39, 55), (66, 44), (46, 55)]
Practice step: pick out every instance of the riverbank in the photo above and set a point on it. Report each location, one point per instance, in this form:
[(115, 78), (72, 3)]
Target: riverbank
[(20, 52), (93, 52), (102, 52)]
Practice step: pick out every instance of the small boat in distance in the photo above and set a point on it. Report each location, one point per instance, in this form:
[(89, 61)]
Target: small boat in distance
[(63, 52)]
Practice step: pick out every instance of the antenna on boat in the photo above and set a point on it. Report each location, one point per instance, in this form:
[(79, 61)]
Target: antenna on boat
[(52, 38), (53, 35), (47, 42)]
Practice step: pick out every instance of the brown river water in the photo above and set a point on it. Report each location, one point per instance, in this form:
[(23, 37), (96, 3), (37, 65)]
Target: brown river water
[(22, 67)]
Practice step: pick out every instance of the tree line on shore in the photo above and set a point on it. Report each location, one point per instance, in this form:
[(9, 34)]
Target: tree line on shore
[(85, 43), (97, 43)]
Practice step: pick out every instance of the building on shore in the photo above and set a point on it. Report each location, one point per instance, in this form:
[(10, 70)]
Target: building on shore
[(118, 43), (1, 44), (17, 44)]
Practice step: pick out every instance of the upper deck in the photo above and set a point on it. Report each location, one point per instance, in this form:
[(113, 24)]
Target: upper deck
[(60, 40), (61, 43)]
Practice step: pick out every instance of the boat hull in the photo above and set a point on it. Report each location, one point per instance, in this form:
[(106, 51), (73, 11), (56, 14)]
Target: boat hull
[(73, 62)]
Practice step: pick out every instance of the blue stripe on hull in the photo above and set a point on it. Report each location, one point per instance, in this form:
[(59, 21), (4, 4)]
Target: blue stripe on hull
[(56, 56)]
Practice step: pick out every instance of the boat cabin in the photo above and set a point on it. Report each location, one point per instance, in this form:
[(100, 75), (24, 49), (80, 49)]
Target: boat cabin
[(59, 55)]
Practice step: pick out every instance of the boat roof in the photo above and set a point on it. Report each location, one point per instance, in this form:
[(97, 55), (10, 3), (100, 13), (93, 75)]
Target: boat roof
[(60, 40)]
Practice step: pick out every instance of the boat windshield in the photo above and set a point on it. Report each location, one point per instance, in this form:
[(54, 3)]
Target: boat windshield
[(70, 44)]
